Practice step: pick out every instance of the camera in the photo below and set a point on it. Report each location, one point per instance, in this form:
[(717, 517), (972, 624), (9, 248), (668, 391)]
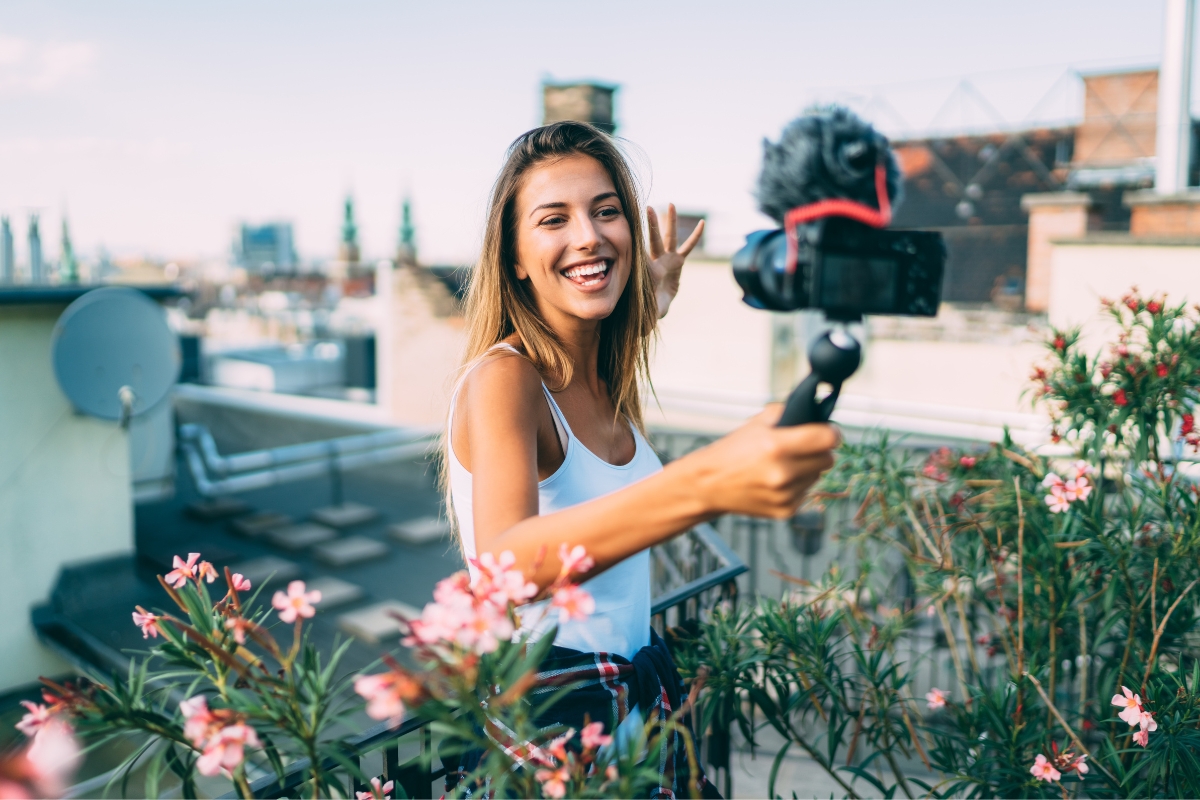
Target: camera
[(843, 268), (831, 181)]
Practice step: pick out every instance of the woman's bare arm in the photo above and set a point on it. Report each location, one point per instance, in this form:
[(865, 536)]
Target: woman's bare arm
[(758, 470)]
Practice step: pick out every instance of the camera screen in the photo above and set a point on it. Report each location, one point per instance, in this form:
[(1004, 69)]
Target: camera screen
[(866, 284)]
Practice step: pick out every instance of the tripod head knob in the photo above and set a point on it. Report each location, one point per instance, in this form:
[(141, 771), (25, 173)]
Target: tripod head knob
[(833, 357)]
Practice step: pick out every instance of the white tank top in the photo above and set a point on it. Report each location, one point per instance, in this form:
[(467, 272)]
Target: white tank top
[(621, 622)]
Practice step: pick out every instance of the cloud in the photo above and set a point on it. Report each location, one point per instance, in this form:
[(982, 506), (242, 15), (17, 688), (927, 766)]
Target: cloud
[(37, 67)]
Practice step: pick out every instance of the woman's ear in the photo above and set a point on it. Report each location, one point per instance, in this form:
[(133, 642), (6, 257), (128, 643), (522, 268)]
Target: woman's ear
[(520, 271)]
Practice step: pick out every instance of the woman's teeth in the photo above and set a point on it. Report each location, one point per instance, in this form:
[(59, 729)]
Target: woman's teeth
[(587, 274)]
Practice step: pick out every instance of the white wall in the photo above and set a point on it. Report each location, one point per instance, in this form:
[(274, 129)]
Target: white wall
[(64, 488), (1085, 271)]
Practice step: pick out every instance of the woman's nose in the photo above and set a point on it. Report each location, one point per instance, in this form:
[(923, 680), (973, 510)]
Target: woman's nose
[(585, 235)]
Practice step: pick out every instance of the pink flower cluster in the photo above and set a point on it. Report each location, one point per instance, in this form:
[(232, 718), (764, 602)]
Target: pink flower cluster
[(387, 693), (559, 764), (935, 699), (221, 736), (1065, 492), (474, 613), (1135, 715), (50, 759), (190, 570)]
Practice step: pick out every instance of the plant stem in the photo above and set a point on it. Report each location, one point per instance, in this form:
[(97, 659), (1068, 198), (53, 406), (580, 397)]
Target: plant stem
[(1083, 663), (962, 618), (1020, 593), (1162, 626), (952, 643), (1070, 731), (1053, 646)]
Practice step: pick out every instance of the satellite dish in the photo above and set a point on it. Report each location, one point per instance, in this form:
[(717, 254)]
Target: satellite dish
[(114, 355)]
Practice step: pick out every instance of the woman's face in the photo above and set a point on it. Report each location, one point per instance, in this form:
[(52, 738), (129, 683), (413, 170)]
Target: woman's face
[(574, 244)]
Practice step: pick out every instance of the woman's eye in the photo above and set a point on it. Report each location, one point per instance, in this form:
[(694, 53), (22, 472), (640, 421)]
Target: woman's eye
[(557, 219), (608, 212)]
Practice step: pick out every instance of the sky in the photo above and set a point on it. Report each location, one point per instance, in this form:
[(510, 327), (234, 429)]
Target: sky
[(157, 127)]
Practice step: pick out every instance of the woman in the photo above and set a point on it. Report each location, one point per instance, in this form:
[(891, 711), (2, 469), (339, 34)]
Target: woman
[(546, 444)]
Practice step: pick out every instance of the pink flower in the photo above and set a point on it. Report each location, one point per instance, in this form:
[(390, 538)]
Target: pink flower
[(1079, 765), (499, 582), (483, 630), (573, 603), (146, 621), (378, 792), (1146, 721), (206, 571), (53, 757), (226, 749), (1142, 738), (967, 461), (1057, 500), (183, 571), (297, 601), (386, 694), (239, 626), (1130, 705), (240, 583), (37, 717), (592, 736), (983, 639), (554, 782), (198, 719), (576, 561), (936, 699), (1043, 770), (1119, 397), (1052, 481)]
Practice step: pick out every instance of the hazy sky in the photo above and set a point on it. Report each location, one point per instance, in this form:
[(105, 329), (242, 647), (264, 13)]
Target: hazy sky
[(157, 126)]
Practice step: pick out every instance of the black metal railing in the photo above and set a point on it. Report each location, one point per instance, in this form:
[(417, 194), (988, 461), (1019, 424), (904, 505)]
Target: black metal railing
[(708, 569)]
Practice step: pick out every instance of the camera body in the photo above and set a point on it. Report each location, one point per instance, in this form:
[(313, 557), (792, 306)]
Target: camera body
[(844, 268)]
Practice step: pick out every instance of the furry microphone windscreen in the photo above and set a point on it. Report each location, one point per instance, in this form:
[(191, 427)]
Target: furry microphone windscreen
[(825, 154)]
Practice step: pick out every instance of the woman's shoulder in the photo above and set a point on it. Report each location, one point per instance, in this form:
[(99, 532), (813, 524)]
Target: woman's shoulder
[(502, 374)]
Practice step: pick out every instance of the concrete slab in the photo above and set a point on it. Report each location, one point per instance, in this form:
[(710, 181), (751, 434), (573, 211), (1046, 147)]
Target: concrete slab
[(346, 515), (301, 536), (256, 525), (351, 550), (217, 508), (420, 531), (267, 570), (377, 622), (334, 592)]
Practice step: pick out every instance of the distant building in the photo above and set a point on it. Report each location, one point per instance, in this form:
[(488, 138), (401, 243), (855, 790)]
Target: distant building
[(970, 187), (35, 251), (348, 251), (266, 249), (68, 266), (685, 225), (582, 102), (8, 266)]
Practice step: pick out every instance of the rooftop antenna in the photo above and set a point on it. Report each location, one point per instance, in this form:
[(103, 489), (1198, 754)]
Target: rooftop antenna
[(1174, 99)]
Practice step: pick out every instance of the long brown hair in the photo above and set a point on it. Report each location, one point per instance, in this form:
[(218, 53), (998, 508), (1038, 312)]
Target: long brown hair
[(499, 304)]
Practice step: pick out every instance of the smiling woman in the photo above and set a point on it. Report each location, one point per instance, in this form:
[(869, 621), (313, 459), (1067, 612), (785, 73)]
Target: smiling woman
[(545, 444)]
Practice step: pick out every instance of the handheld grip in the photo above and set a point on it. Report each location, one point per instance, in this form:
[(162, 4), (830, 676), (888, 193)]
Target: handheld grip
[(834, 358)]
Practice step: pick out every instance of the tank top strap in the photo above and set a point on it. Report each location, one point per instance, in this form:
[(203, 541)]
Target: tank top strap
[(560, 419)]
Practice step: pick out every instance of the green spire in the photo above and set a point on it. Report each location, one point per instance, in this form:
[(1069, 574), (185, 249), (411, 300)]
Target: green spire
[(68, 267), (349, 229), (407, 252)]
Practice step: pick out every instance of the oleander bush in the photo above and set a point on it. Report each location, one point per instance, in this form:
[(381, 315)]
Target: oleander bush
[(1060, 590)]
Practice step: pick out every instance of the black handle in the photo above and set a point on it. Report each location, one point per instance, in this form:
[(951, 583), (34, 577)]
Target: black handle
[(803, 406), (834, 357)]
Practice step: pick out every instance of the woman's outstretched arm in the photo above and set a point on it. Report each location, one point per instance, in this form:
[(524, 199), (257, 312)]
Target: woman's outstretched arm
[(758, 470)]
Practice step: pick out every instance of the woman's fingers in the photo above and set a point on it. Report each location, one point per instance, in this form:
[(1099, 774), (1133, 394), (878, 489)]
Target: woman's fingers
[(692, 240), (672, 241), (656, 242)]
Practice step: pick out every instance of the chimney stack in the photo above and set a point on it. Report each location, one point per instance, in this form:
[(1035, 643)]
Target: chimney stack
[(581, 102)]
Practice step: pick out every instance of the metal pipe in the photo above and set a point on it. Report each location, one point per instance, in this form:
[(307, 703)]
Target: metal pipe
[(220, 465), (1173, 139)]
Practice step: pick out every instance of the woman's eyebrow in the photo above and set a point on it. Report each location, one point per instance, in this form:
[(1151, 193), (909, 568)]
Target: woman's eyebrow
[(561, 204)]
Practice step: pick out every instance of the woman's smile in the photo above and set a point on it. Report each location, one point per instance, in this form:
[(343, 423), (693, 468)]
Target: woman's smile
[(590, 276)]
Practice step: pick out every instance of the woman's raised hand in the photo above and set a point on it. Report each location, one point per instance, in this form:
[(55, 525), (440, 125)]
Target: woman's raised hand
[(666, 258), (760, 470)]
